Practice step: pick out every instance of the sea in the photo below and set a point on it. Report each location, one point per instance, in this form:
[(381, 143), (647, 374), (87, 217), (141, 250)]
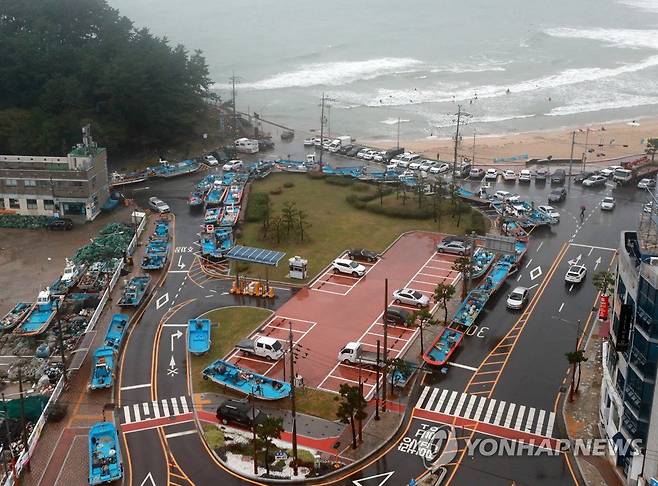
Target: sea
[(392, 67)]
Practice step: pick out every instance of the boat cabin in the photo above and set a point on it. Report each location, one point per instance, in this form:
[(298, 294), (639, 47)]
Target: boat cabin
[(246, 146)]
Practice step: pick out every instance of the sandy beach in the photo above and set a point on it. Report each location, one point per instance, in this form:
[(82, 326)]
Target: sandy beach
[(604, 141)]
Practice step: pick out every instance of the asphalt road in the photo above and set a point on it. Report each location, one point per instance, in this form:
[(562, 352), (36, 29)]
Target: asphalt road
[(533, 374)]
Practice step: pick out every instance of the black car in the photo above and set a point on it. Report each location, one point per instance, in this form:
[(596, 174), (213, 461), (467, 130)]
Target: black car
[(238, 412), (397, 316), (60, 224), (345, 149), (582, 176), (558, 176), (362, 254), (390, 153), (265, 144), (557, 195), (354, 150)]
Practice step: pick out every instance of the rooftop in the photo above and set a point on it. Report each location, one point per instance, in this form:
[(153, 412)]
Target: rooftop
[(84, 151)]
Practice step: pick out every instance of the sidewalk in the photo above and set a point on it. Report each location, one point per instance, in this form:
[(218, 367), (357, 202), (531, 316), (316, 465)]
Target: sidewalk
[(582, 415)]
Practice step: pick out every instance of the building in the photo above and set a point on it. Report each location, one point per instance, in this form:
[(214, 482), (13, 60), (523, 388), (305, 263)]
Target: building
[(629, 403), (74, 186)]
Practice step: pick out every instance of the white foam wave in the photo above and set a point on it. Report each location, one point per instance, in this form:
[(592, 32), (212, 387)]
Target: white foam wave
[(469, 68), (644, 5), (630, 38), (447, 122), (626, 101), (394, 121), (333, 73)]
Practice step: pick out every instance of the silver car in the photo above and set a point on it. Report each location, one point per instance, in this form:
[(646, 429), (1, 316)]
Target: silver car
[(455, 247), (517, 298), (159, 205), (411, 297)]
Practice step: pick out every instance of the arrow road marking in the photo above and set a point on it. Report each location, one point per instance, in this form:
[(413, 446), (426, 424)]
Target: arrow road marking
[(386, 476), (148, 480), (162, 300), (576, 261), (172, 363), (597, 262), (176, 335), (181, 265)]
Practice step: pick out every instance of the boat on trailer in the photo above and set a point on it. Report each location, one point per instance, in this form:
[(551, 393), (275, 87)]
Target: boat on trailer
[(40, 315), (15, 316), (246, 381), (105, 464), (116, 331), (443, 346), (135, 291), (198, 336)]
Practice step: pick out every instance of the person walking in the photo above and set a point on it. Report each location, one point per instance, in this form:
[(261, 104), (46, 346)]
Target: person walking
[(582, 213)]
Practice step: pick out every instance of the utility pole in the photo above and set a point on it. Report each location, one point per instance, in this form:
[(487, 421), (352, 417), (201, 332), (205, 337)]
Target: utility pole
[(321, 129), (253, 428), (398, 146), (573, 365), (361, 396), (60, 338), (586, 148), (473, 156), (459, 115), (377, 385), (234, 79), (385, 344), (24, 431), (292, 397), (573, 142)]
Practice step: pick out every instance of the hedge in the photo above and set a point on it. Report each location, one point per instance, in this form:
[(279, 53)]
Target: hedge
[(257, 207), (23, 222)]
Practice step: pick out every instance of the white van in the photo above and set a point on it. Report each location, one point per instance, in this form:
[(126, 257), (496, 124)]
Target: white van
[(246, 146)]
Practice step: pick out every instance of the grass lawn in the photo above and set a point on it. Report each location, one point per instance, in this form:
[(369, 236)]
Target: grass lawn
[(214, 436), (315, 402), (335, 224), (235, 323)]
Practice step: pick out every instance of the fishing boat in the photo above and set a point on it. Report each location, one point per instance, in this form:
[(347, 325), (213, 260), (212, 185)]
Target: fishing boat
[(470, 309), (102, 368), (216, 194), (212, 216), (167, 170), (161, 229), (287, 135), (228, 178), (230, 216), (233, 196), (397, 377), (116, 331), (41, 314), (15, 316), (135, 291), (443, 347), (482, 260), (205, 184), (195, 200), (156, 254), (246, 381), (198, 336), (224, 238), (117, 179), (105, 463), (209, 248), (72, 273)]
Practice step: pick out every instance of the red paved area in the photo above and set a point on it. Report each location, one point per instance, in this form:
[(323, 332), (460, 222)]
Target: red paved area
[(334, 310)]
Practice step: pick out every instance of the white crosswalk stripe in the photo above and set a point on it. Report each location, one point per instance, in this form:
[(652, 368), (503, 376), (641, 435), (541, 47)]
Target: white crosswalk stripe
[(487, 410), (167, 407)]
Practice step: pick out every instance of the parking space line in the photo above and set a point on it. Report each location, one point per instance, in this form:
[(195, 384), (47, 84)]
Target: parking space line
[(329, 292)]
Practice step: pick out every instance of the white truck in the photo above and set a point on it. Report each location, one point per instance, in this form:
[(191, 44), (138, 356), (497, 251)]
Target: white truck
[(265, 347), (353, 353), (339, 142)]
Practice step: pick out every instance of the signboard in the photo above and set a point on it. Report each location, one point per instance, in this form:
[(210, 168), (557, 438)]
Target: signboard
[(631, 164), (502, 244), (604, 308), (624, 329)]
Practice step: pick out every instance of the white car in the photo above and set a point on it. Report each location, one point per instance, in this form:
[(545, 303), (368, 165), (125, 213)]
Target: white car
[(309, 142), (648, 207), (392, 166), (610, 170), (362, 153), (491, 174), (549, 211), (232, 166), (439, 169), (525, 175), (575, 274), (379, 156), (370, 154), (426, 165), (211, 160), (506, 196), (518, 298), (595, 181), (407, 173), (411, 297), (608, 203), (509, 175), (415, 165), (349, 267), (646, 184), (317, 141), (158, 205)]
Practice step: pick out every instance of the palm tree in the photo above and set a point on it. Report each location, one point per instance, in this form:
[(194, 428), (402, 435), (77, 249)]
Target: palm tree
[(352, 407), (463, 266), (575, 358), (602, 281), (268, 430), (442, 294)]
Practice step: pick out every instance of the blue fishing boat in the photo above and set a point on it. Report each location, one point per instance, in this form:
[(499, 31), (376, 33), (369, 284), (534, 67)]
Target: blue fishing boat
[(156, 254), (216, 194), (198, 336), (212, 216), (230, 216), (102, 368), (116, 331), (228, 178), (105, 464), (470, 308), (161, 229), (233, 195), (134, 291), (195, 200), (205, 184), (40, 315), (15, 316), (397, 377), (168, 170), (443, 346), (246, 381), (482, 260), (209, 248), (224, 238), (68, 280)]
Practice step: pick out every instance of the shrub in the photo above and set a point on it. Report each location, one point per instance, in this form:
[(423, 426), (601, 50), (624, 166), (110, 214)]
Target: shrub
[(316, 175), (276, 191), (257, 206), (360, 187), (288, 185), (339, 181)]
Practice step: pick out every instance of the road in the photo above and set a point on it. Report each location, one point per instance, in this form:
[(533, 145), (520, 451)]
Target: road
[(530, 344)]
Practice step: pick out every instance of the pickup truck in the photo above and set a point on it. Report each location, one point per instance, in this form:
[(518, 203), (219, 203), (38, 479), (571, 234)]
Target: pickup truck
[(265, 347), (353, 353)]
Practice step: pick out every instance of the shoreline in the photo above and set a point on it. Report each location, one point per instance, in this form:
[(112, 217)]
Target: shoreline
[(606, 140)]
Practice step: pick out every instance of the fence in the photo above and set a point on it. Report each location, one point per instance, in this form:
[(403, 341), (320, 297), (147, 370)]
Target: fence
[(138, 231)]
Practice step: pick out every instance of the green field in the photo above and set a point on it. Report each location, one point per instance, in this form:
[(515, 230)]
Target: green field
[(335, 224)]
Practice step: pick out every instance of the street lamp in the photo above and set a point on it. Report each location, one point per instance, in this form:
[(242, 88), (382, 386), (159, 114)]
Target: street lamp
[(573, 365)]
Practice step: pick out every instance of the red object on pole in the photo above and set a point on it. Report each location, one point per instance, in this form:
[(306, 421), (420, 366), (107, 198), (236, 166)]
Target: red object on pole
[(604, 308)]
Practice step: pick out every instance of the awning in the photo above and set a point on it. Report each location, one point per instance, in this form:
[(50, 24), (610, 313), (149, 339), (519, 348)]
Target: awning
[(255, 255)]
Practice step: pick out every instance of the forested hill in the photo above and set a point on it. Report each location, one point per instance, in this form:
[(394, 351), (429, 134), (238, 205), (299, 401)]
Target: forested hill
[(67, 62)]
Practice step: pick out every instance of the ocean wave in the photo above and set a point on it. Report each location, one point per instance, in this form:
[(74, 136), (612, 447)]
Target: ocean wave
[(394, 121), (644, 5), (398, 97), (630, 38), (447, 122), (628, 101), (333, 73), (470, 68)]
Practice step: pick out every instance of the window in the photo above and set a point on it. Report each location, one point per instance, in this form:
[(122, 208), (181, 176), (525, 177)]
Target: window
[(93, 181), (14, 204), (32, 203), (11, 182), (30, 183), (48, 204), (2, 203)]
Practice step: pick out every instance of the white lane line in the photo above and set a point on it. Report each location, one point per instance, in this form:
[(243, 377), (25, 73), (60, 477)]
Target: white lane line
[(528, 264), (174, 406), (422, 397), (183, 402), (490, 409), (540, 245), (590, 251), (510, 414), (136, 412), (530, 288), (145, 409), (126, 414), (442, 398), (561, 306), (549, 426), (519, 277), (595, 247), (135, 387), (165, 408), (156, 410), (571, 288), (179, 434), (458, 365), (519, 417)]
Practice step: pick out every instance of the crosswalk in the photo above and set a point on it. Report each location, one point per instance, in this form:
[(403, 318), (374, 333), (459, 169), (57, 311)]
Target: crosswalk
[(167, 407), (487, 410)]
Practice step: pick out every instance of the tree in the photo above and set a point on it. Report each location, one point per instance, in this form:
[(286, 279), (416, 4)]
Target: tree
[(575, 358), (289, 214), (602, 281), (266, 431), (276, 224), (424, 319), (404, 194), (442, 294), (652, 147), (380, 193), (352, 407), (463, 266), (302, 222)]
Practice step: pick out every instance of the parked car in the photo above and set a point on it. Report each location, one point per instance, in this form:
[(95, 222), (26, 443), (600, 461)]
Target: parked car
[(455, 247), (158, 205), (476, 173), (370, 154), (646, 184), (610, 170), (518, 298), (648, 207), (232, 166), (362, 153), (265, 144), (582, 176), (525, 176), (350, 267), (558, 177), (576, 274), (60, 224), (411, 297), (541, 174), (491, 175), (379, 156), (396, 316), (557, 195), (211, 160), (549, 211), (238, 412), (509, 175), (426, 165), (362, 254), (440, 168), (308, 142), (608, 203), (345, 149), (415, 165), (506, 196), (354, 151), (595, 181)]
